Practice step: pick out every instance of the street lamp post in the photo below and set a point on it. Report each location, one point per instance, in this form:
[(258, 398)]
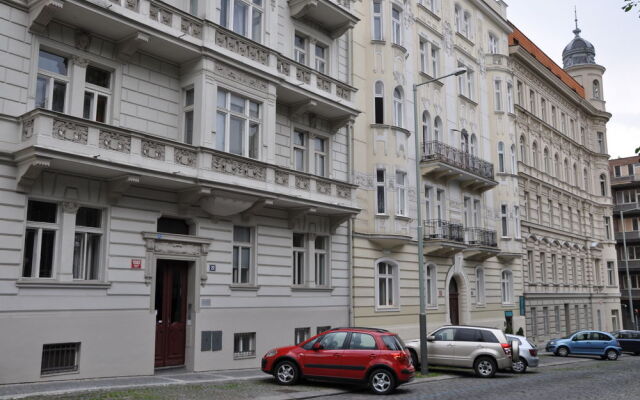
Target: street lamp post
[(424, 366), (626, 261)]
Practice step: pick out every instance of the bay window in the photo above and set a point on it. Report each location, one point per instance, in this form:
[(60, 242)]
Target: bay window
[(96, 94), (87, 244), (244, 17), (401, 194), (238, 125), (52, 81), (396, 25), (300, 150), (320, 260)]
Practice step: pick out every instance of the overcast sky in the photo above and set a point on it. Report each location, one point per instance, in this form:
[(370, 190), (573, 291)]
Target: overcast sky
[(616, 37)]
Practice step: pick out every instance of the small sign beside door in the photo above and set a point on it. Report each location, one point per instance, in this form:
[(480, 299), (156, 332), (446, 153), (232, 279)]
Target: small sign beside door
[(136, 264), (211, 268)]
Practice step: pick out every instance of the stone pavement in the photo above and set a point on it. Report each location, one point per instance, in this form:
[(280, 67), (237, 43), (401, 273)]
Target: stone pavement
[(166, 378)]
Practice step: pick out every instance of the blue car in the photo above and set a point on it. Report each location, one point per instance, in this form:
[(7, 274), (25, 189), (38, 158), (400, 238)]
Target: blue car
[(593, 343)]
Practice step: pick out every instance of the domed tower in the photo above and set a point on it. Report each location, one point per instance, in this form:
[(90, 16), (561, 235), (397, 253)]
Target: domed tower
[(579, 59)]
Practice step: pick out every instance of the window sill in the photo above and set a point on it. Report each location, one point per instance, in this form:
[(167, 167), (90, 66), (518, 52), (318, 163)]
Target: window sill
[(378, 41), (467, 99), (431, 307), (382, 216), (247, 288), (311, 289), (243, 357), (466, 39), (430, 12), (399, 47), (76, 372), (392, 127), (404, 217), (498, 112), (390, 309), (505, 238), (49, 284), (429, 77), (511, 304)]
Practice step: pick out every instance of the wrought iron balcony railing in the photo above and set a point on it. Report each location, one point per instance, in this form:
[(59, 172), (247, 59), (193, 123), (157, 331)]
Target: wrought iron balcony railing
[(438, 151), (438, 229), (481, 237)]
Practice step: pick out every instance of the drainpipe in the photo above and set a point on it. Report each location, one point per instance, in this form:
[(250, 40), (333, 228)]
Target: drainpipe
[(351, 170)]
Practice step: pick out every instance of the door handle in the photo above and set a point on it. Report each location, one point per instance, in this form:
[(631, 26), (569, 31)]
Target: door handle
[(372, 356), (337, 355)]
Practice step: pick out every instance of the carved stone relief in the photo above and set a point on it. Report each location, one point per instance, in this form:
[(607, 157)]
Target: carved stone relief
[(282, 178), (302, 182), (323, 187), (153, 150), (343, 191), (240, 168), (243, 47), (185, 157), (27, 129), (67, 130), (191, 28), (115, 141), (231, 73)]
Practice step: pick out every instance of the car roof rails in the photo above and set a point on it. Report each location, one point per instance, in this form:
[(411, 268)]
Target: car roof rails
[(360, 328)]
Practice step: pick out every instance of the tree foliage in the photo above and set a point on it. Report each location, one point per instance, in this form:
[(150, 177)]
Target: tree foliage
[(630, 4)]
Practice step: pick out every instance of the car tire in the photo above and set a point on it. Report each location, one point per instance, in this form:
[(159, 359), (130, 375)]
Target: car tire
[(382, 381), (611, 355), (562, 351), (485, 367), (287, 373), (520, 366), (637, 353), (414, 359)]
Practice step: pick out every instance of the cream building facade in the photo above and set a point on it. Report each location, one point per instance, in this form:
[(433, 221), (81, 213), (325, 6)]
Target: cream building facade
[(569, 252), (470, 208), (175, 182)]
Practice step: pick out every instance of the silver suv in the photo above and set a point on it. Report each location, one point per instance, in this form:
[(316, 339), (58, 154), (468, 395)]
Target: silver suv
[(486, 350)]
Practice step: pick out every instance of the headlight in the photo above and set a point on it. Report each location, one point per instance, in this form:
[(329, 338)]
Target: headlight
[(552, 342), (270, 353)]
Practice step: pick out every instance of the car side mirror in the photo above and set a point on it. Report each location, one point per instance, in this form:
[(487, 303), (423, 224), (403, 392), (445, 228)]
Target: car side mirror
[(431, 338), (317, 346)]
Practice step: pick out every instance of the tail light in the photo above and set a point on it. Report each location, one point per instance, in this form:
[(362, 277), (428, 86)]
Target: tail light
[(401, 357), (507, 348), (533, 352)]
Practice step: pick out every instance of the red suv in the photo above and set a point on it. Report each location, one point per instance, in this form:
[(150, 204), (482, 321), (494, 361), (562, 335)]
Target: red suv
[(364, 355)]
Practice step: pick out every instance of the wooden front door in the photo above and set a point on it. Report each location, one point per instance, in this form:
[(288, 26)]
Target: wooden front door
[(171, 312), (453, 302)]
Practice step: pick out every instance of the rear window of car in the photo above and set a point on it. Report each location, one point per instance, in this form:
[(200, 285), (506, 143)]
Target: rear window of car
[(362, 341), (468, 335), (513, 338), (392, 342), (489, 337)]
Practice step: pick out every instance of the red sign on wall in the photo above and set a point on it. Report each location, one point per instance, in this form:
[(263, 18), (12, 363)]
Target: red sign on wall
[(136, 264)]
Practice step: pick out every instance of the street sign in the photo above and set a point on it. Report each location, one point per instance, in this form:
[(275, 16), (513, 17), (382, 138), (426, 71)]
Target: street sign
[(211, 268), (136, 264)]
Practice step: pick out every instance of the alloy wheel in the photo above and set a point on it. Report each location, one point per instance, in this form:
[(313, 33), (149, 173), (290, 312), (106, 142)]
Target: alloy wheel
[(381, 381), (485, 367), (286, 373), (518, 366)]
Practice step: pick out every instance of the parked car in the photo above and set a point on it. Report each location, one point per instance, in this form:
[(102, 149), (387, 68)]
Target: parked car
[(588, 343), (376, 357), (486, 350), (629, 341), (528, 354)]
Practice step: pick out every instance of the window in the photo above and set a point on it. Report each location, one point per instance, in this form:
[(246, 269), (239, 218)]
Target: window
[(466, 24), (534, 321), (493, 44), (320, 257), (552, 221), (379, 102), (601, 147), (401, 193), (596, 89), (334, 340), (458, 18), (503, 219), (299, 250), (520, 93), (188, 116), (534, 154), (574, 271), (523, 149), (543, 267), (300, 49), (386, 286), (435, 60), (563, 123), (556, 167), (527, 206), (554, 117), (539, 205), (466, 82), (585, 177), (531, 268), (97, 93), (577, 311), (510, 97), (615, 320), (630, 170), (238, 124), (439, 204), (424, 53), (507, 287), (596, 272), (87, 244), (59, 358), (565, 271), (498, 94), (582, 136), (437, 125), (603, 185), (427, 201), (432, 283), (243, 17), (242, 257), (554, 268), (480, 286), (362, 341), (474, 145), (321, 58), (377, 20), (244, 345), (516, 214), (301, 335), (607, 227), (611, 273), (556, 311), (426, 127), (51, 85), (320, 155), (40, 239), (381, 192), (532, 102), (397, 107), (543, 109), (547, 161), (396, 25), (545, 320), (300, 150)]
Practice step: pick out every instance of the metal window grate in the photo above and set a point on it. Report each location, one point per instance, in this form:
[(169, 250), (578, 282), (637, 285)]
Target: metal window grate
[(59, 357)]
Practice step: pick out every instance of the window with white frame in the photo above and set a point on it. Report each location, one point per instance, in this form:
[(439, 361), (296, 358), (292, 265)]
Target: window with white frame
[(435, 60), (543, 109), (401, 193), (300, 49), (440, 204), (480, 297), (242, 255), (188, 115), (379, 102), (601, 144), (244, 345), (603, 185), (426, 126), (398, 115), (532, 102), (507, 287), (321, 53), (87, 245), (321, 247), (510, 97), (514, 162), (244, 17), (504, 220), (97, 92), (494, 48), (531, 267), (396, 25), (611, 273), (320, 152), (466, 82), (427, 202), (40, 239), (52, 81), (299, 256), (437, 126), (300, 139), (498, 94), (467, 211), (466, 24), (476, 213), (501, 157), (424, 56), (547, 160), (386, 285), (429, 4), (473, 149), (516, 214), (607, 227), (432, 281), (377, 20), (523, 149), (238, 124), (554, 117), (457, 14), (563, 123), (381, 191), (520, 93)]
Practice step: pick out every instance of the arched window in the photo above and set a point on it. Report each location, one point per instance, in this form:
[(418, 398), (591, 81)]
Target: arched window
[(379, 102), (596, 89), (534, 154), (507, 287), (514, 161), (603, 185), (501, 157), (576, 181), (437, 129), (432, 280), (566, 171), (523, 149), (426, 127), (556, 166), (480, 285), (464, 141), (474, 144), (386, 284), (397, 107), (585, 176), (458, 18), (547, 161)]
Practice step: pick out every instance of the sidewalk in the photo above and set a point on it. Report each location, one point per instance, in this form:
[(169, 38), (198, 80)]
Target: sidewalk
[(168, 378)]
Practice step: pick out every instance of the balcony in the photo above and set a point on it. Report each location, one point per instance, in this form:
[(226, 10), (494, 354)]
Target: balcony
[(622, 181), (443, 162), (443, 238), (482, 244), (627, 208), (334, 16), (221, 184), (634, 265), (629, 236)]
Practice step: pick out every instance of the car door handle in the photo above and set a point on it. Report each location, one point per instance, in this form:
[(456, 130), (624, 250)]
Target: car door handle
[(372, 356), (337, 355)]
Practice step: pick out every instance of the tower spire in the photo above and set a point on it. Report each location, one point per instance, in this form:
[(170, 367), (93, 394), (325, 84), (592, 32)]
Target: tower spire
[(575, 13)]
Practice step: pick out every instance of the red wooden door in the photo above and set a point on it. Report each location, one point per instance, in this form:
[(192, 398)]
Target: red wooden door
[(171, 312), (453, 302)]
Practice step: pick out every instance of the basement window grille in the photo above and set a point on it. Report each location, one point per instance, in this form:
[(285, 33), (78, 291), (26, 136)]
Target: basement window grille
[(59, 357)]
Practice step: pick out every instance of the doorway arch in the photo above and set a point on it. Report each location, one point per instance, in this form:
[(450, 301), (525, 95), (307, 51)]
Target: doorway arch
[(454, 302)]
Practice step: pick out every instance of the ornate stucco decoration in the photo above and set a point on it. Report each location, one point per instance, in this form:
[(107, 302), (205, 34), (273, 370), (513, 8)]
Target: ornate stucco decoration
[(185, 157), (115, 141), (233, 74), (153, 150), (27, 129), (246, 169), (67, 130)]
